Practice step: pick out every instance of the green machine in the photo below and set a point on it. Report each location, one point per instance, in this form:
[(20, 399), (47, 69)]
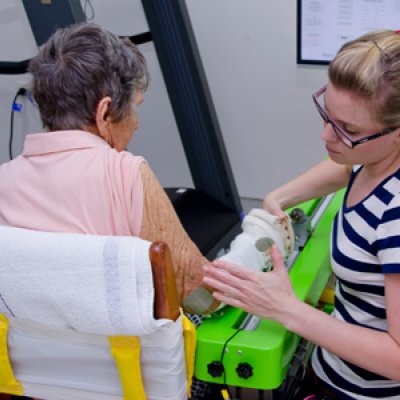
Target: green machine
[(240, 350)]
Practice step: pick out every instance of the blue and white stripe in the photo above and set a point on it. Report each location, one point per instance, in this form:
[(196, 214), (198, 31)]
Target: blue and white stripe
[(365, 245)]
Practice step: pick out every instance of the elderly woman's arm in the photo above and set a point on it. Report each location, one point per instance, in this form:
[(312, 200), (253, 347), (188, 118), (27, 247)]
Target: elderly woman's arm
[(160, 222)]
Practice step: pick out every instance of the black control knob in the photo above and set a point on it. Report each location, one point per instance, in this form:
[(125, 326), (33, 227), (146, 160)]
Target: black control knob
[(297, 215), (215, 369), (244, 370)]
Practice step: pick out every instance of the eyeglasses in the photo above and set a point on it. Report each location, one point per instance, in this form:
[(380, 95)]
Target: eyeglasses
[(340, 132)]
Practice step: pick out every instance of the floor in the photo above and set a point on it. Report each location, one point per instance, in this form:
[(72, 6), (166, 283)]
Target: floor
[(250, 394)]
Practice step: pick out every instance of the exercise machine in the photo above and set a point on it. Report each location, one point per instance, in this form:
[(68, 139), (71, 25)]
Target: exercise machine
[(241, 350)]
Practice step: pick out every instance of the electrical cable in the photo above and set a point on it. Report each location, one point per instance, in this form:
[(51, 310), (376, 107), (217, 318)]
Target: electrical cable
[(141, 38), (14, 67), (222, 358), (15, 107)]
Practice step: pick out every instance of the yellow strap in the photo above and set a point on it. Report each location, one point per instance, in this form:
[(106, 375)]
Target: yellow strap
[(8, 383), (189, 337), (126, 353)]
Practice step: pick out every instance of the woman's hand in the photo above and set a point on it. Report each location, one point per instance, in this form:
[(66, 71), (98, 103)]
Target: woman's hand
[(272, 205), (324, 178), (265, 294)]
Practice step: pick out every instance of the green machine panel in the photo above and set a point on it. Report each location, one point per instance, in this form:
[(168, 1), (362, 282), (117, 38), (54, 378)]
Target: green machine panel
[(258, 355)]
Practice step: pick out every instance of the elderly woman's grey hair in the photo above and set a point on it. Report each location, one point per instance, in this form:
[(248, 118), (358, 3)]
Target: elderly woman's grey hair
[(80, 65)]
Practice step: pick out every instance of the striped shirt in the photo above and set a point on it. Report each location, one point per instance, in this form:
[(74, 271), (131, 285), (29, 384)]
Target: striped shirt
[(365, 245)]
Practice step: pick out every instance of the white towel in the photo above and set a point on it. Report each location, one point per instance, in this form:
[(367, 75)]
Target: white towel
[(92, 284)]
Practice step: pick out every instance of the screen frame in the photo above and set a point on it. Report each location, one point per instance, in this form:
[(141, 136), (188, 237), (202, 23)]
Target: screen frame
[(357, 24)]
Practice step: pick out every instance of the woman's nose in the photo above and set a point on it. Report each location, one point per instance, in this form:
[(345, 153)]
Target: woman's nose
[(328, 134)]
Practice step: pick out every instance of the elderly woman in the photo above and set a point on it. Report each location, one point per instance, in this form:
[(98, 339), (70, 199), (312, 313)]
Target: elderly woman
[(76, 175)]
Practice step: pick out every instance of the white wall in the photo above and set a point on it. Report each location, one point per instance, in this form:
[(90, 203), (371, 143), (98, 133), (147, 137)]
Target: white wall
[(262, 97)]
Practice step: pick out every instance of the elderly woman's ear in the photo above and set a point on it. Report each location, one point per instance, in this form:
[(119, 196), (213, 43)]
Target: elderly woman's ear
[(103, 119)]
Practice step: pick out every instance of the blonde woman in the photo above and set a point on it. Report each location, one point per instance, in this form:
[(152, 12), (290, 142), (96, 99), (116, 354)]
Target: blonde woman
[(358, 346)]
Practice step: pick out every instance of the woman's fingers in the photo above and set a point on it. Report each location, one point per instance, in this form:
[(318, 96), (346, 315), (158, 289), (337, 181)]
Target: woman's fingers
[(232, 301), (272, 205), (276, 257), (223, 277), (222, 287), (227, 287), (233, 269)]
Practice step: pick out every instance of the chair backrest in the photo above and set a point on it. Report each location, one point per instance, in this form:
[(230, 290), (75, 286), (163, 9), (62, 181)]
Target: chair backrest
[(166, 303), (49, 361)]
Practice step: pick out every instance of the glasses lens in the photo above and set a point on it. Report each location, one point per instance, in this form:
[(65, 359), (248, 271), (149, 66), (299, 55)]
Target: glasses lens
[(321, 111), (327, 120), (320, 108), (341, 135)]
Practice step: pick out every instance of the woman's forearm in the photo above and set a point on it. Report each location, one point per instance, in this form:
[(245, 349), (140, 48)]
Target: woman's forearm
[(373, 350), (322, 179)]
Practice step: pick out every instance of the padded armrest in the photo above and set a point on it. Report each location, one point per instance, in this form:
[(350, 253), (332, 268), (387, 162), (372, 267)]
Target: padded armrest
[(166, 303)]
